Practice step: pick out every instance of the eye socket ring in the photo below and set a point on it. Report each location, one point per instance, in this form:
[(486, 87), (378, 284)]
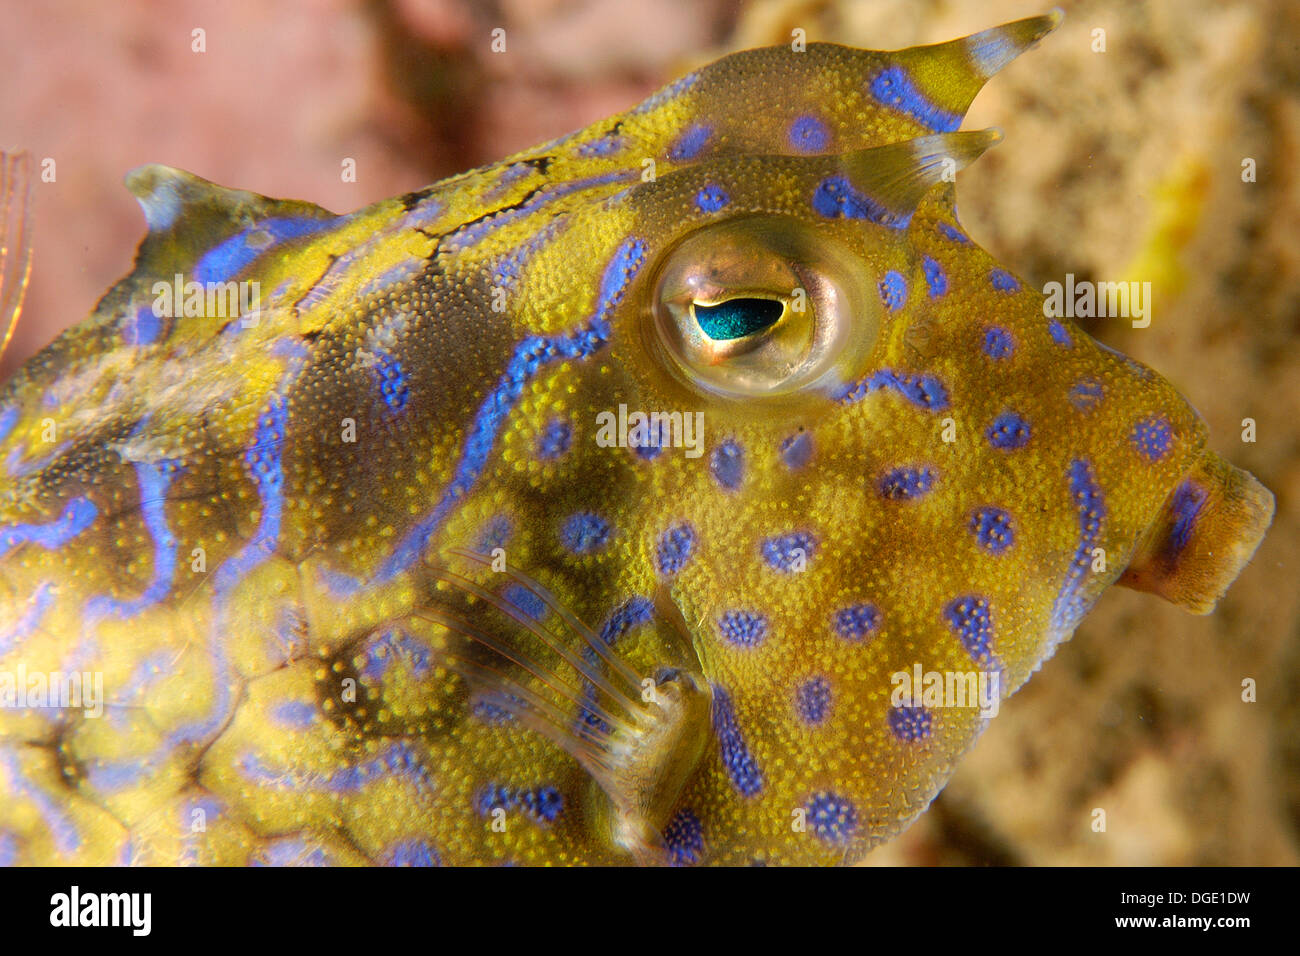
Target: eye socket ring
[(762, 306)]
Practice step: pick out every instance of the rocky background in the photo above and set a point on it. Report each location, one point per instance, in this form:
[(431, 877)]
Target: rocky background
[(1122, 164)]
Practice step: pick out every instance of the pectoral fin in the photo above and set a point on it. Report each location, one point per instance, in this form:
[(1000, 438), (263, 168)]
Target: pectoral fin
[(1208, 528)]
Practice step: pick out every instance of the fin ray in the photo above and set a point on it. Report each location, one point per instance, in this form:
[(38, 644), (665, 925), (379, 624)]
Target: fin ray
[(15, 240)]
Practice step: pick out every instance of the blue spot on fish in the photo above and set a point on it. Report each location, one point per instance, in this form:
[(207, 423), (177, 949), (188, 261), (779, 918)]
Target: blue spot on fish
[(1003, 281), (856, 622), (992, 529), (935, 278), (910, 723), (522, 599), (972, 620), (893, 290), (555, 439), (812, 700), (904, 483), (788, 552), (998, 343), (796, 451), (711, 199), (584, 532), (1008, 431), (833, 818), (743, 628), (1152, 437), (727, 465), (1060, 335), (605, 145), (1086, 394), (808, 134), (674, 549)]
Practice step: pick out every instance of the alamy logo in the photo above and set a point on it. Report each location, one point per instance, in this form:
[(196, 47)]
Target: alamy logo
[(103, 909), (651, 430), (932, 689), (1087, 300), (181, 299), (20, 689)]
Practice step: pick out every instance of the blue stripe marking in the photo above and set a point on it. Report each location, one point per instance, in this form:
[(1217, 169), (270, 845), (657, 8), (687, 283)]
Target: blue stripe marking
[(533, 353), (605, 145), (471, 235), (922, 390), (1189, 500), (114, 776), (394, 385), (40, 604), (228, 258), (991, 50), (265, 467), (691, 143), (951, 232), (894, 88), (413, 853), (633, 612), (835, 197), (78, 514), (297, 714), (263, 459), (684, 838), (744, 772), (67, 838), (666, 95), (399, 760), (541, 804), (153, 481), (8, 419), (971, 619), (1090, 507), (511, 266), (142, 328)]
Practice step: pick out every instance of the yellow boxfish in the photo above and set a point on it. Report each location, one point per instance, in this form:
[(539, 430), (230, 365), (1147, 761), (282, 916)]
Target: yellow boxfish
[(687, 490)]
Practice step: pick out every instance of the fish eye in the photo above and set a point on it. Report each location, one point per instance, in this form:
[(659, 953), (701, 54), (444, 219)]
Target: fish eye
[(738, 317), (762, 305)]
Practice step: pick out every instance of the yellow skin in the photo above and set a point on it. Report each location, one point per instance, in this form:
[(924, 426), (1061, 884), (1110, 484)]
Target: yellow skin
[(261, 530)]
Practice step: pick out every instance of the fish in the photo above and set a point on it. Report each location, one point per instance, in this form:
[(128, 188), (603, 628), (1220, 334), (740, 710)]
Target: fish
[(688, 490)]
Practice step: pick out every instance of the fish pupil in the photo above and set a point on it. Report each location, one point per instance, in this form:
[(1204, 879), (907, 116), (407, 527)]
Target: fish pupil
[(737, 318)]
